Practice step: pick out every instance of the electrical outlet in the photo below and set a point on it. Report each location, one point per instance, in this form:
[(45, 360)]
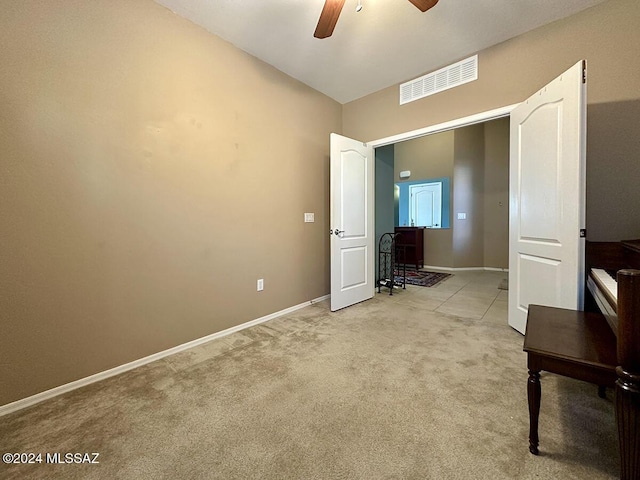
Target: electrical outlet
[(260, 284), (309, 218), (462, 216)]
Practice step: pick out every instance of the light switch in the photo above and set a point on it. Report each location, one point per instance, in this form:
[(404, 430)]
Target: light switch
[(462, 216), (309, 217)]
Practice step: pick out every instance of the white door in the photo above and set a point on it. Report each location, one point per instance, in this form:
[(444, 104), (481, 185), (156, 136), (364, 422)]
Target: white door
[(425, 204), (547, 197), (352, 222)]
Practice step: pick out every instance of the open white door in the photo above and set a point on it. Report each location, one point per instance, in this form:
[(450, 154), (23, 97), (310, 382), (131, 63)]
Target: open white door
[(352, 222), (547, 197)]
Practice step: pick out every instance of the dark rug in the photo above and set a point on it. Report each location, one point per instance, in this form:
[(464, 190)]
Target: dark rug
[(422, 278)]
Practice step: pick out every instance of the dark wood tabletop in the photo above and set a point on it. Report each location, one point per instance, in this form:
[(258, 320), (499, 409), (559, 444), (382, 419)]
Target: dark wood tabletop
[(572, 336)]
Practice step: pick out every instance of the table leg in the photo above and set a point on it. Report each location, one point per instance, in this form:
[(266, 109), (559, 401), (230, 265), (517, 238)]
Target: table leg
[(628, 419), (534, 393), (602, 391)]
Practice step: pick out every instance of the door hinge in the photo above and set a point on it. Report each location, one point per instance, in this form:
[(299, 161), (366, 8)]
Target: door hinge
[(583, 233), (584, 71)]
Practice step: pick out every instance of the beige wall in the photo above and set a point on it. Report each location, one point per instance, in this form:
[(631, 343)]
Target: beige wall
[(608, 37), (151, 173), (430, 156), (496, 193), (468, 197)]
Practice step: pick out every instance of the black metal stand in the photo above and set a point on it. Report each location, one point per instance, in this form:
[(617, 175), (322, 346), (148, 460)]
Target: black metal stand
[(388, 253)]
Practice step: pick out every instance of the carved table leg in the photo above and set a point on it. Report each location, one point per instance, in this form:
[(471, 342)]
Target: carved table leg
[(602, 391), (534, 392), (628, 371), (628, 420)]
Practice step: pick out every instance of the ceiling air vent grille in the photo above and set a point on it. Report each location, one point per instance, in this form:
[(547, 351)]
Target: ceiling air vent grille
[(448, 77)]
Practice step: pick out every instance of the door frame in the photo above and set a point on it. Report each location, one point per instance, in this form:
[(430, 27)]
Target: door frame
[(443, 127), (480, 117)]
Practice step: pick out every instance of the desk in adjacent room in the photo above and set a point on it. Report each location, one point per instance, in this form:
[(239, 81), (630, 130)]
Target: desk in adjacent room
[(411, 239)]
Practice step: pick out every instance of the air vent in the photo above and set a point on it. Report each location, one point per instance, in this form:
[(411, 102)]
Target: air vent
[(464, 71)]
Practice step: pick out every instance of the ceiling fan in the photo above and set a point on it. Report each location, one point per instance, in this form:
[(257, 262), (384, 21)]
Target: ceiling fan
[(332, 8)]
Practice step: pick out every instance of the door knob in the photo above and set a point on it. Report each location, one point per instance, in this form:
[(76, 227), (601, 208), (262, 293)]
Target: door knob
[(338, 232)]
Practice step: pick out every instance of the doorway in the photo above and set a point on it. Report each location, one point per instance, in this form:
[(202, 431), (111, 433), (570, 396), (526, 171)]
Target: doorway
[(472, 154)]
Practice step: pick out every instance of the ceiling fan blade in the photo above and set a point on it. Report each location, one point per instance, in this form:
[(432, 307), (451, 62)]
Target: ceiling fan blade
[(328, 18), (424, 5)]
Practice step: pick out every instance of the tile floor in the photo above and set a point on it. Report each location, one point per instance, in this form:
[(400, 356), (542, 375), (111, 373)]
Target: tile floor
[(468, 294)]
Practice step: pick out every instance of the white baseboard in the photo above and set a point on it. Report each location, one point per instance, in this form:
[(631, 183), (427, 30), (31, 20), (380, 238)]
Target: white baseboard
[(39, 397), (466, 269)]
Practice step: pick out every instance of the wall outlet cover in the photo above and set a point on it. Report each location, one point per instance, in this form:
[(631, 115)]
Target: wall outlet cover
[(309, 217)]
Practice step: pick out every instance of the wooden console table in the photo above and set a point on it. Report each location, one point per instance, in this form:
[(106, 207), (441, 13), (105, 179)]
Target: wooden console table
[(581, 345), (575, 344), (411, 239)]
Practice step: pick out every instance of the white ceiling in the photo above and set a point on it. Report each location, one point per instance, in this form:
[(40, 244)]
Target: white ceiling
[(388, 42)]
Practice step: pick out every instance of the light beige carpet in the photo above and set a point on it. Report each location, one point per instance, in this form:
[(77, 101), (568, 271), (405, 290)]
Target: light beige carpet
[(386, 389)]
